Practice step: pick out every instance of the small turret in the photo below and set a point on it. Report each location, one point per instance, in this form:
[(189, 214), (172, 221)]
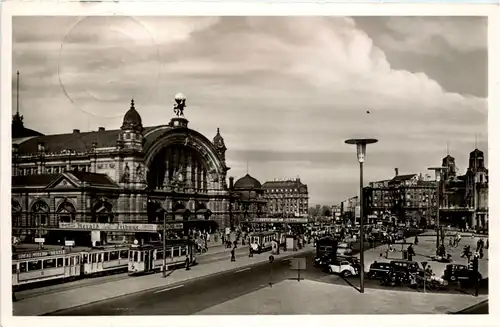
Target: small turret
[(219, 144)]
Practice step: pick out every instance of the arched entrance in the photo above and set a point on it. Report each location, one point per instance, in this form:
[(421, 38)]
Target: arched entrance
[(66, 212), (102, 213)]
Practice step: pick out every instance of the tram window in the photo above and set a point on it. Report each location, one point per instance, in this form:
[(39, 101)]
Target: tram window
[(22, 267), (159, 255), (135, 256), (34, 265), (49, 263), (93, 259), (124, 254), (113, 255), (60, 262), (85, 258), (183, 251), (176, 251), (14, 268), (99, 257), (168, 253), (66, 262), (106, 256), (77, 260)]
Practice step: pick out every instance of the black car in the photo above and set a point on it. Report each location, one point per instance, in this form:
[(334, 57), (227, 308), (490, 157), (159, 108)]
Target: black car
[(395, 278), (378, 270), (323, 261), (407, 266), (460, 273)]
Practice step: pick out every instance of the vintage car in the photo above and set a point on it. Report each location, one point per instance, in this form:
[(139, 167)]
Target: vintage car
[(378, 270), (323, 261), (407, 266), (344, 268), (460, 273)]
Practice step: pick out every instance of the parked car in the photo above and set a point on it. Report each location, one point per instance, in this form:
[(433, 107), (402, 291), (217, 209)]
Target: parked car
[(407, 266), (460, 273), (322, 261), (344, 249), (344, 268), (395, 278), (378, 270)]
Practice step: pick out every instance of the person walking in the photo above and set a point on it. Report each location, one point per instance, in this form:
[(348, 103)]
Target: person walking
[(233, 258), (416, 240), (250, 250), (411, 252), (187, 262)]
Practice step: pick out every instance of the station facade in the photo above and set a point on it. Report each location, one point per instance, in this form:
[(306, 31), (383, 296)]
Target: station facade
[(119, 185)]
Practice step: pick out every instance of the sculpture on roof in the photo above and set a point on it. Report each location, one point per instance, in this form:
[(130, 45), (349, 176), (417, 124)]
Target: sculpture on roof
[(179, 104)]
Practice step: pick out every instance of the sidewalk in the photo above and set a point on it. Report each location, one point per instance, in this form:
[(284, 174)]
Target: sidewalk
[(48, 303), (424, 250), (311, 297)]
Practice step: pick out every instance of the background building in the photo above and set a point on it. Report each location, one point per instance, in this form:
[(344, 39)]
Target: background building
[(288, 198)]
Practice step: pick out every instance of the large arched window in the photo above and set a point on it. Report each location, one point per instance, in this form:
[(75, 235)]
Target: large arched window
[(102, 213), (40, 214), (66, 212), (16, 214)]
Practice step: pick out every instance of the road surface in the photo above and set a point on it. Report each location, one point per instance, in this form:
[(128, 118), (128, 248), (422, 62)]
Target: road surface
[(193, 296)]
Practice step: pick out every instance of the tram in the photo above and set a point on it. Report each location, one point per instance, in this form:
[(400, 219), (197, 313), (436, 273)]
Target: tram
[(104, 260), (40, 266), (262, 241), (149, 258)]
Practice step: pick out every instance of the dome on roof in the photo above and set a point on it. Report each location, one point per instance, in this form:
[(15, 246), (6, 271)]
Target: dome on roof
[(476, 151), (132, 119), (247, 182)]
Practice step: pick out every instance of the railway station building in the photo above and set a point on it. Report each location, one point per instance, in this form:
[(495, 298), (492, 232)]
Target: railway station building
[(112, 186)]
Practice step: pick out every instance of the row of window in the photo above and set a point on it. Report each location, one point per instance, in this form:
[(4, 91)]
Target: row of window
[(52, 169), (34, 265), (279, 190), (140, 256)]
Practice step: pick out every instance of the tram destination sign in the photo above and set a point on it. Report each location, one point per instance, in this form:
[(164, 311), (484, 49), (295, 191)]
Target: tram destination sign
[(36, 254), (110, 227)]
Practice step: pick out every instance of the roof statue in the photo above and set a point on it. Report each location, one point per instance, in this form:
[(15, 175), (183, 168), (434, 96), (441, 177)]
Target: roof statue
[(179, 104)]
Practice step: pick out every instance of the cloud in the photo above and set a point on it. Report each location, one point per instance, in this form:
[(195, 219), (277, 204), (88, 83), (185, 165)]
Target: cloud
[(285, 91), (423, 34)]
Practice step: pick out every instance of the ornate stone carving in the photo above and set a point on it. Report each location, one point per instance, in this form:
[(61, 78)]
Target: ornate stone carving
[(126, 174)]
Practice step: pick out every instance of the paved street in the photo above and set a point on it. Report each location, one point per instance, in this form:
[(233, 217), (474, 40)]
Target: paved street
[(194, 296), (191, 297)]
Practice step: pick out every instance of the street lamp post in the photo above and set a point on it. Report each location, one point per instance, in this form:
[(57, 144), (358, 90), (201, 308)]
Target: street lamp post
[(361, 151), (164, 244), (437, 171)]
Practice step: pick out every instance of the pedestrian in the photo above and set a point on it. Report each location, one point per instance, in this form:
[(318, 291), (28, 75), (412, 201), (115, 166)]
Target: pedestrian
[(451, 242), (250, 251), (411, 252), (187, 262), (459, 237), (233, 258), (481, 253), (416, 240), (487, 243)]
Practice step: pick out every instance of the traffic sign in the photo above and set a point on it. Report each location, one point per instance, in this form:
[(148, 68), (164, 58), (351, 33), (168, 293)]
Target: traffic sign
[(424, 264), (298, 263), (39, 240)]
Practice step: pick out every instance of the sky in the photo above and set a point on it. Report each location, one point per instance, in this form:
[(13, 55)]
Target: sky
[(286, 92)]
